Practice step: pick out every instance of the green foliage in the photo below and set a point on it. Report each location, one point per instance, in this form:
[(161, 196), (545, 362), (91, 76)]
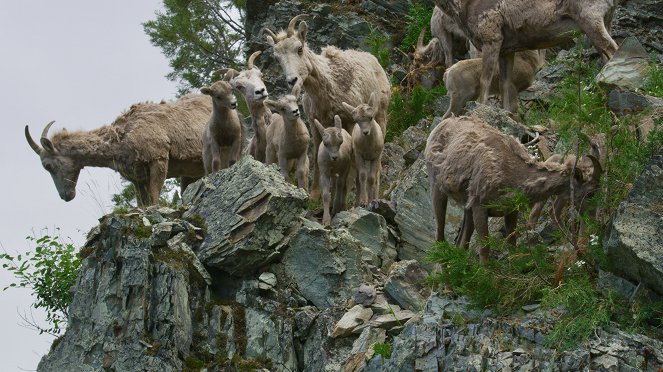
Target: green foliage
[(418, 18), (654, 84), (377, 41), (126, 198), (406, 109), (384, 350), (49, 272), (198, 37)]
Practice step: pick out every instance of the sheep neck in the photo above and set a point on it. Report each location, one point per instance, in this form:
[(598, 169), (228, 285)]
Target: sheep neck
[(221, 114), (260, 116), (319, 84), (539, 183), (96, 148)]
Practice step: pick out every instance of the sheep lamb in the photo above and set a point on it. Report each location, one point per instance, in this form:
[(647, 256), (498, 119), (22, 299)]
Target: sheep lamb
[(367, 146), (329, 78), (335, 163), (480, 167), (223, 137), (288, 139), (147, 144)]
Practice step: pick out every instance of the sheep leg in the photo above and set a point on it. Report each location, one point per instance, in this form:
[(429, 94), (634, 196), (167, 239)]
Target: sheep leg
[(459, 98), (489, 61), (440, 210), (534, 214), (215, 156), (158, 171), (341, 191), (270, 155), (315, 186), (598, 35), (284, 164), (301, 172), (235, 151), (466, 230), (447, 47), (509, 101), (510, 221), (373, 179), (363, 179), (142, 194), (325, 185), (558, 206), (480, 218)]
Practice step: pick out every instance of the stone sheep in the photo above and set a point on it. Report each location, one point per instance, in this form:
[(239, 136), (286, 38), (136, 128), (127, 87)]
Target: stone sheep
[(147, 144), (329, 78), (250, 84), (480, 167), (335, 164), (501, 28), (463, 79), (367, 146), (288, 139), (223, 137)]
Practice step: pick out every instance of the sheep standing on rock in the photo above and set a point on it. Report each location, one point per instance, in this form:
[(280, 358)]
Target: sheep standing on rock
[(335, 163), (480, 167), (249, 83), (501, 28), (223, 137), (463, 79), (329, 78), (288, 139), (147, 144), (367, 146)]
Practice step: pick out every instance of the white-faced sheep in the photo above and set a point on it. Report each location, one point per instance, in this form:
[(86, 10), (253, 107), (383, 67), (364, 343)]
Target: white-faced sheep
[(329, 78), (367, 146), (249, 83), (147, 144), (223, 137), (288, 139), (501, 28), (463, 85), (335, 163), (480, 167)]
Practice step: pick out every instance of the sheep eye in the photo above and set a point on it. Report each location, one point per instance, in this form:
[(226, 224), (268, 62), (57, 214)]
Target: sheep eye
[(300, 50)]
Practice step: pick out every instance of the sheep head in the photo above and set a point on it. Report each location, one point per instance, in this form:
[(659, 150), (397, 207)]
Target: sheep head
[(249, 82), (221, 93), (64, 169), (286, 106), (363, 114), (332, 137), (291, 51)]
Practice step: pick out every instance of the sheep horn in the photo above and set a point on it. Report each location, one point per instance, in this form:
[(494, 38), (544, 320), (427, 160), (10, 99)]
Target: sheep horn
[(534, 141), (44, 133), (252, 58), (270, 33), (596, 174), (31, 142), (293, 23), (420, 40)]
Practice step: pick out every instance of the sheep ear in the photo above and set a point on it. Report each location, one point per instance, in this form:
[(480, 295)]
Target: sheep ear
[(47, 145), (347, 107), (296, 90), (230, 74), (301, 32), (206, 90), (319, 127), (270, 40), (272, 105), (373, 101), (337, 122)]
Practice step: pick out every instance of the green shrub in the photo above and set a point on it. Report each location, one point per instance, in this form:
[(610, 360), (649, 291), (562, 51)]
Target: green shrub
[(406, 109), (49, 272), (418, 18), (384, 350), (654, 84), (377, 41)]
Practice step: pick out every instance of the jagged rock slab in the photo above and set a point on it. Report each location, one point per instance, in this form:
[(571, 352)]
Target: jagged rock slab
[(371, 230), (355, 317), (326, 265), (133, 301), (635, 240), (250, 213), (405, 284), (628, 68)]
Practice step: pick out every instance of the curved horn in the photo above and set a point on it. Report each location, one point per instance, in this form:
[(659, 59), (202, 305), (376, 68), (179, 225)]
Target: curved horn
[(252, 58), (44, 133), (269, 32), (534, 141), (293, 23), (420, 40), (31, 142), (596, 174)]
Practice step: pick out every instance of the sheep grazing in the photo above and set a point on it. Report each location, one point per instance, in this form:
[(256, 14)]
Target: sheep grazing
[(480, 167), (591, 175), (463, 85), (147, 144), (367, 146), (501, 28), (223, 137), (439, 50), (335, 164), (329, 78), (288, 139), (249, 83)]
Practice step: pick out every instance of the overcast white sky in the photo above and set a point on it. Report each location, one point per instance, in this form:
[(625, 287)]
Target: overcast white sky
[(81, 63)]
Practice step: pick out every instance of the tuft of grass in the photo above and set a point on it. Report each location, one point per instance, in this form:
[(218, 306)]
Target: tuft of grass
[(654, 84), (383, 349), (406, 109), (377, 42)]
